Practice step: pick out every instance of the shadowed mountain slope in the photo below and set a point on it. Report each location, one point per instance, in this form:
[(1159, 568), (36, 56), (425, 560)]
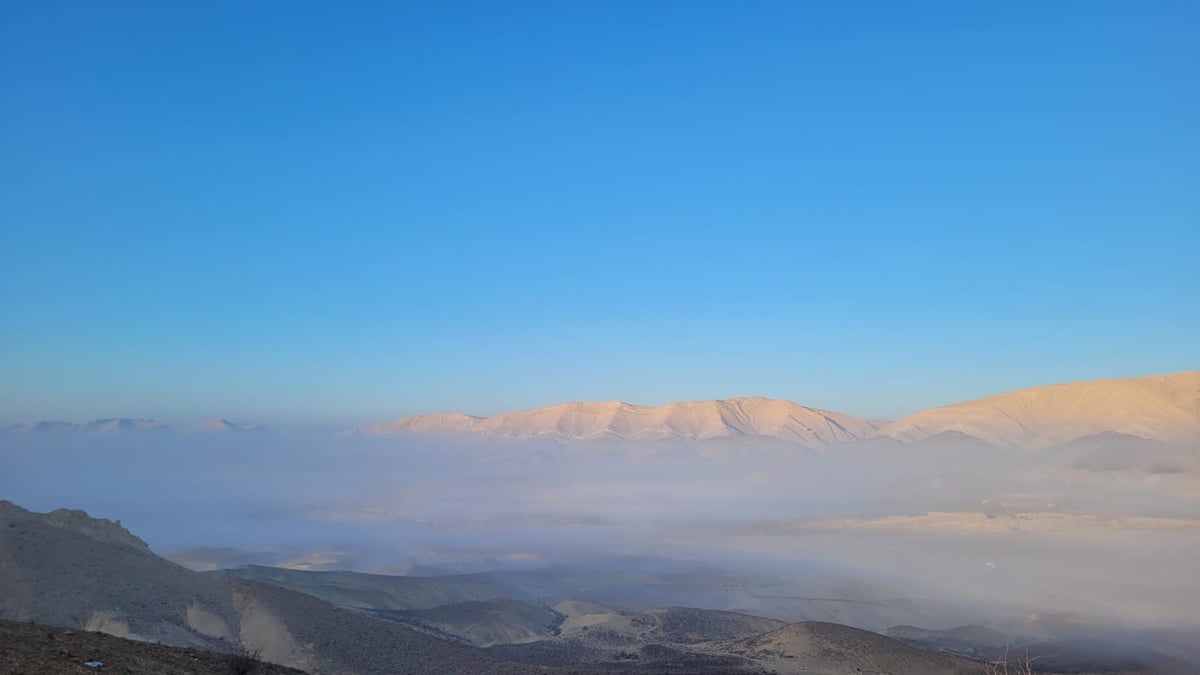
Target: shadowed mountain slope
[(91, 574)]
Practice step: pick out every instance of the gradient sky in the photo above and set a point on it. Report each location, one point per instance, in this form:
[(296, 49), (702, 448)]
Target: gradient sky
[(305, 212)]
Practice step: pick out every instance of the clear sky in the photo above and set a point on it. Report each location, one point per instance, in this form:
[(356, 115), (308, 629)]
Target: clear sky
[(343, 212)]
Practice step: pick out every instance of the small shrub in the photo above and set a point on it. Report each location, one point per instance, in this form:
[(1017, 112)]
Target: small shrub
[(1002, 666), (244, 661)]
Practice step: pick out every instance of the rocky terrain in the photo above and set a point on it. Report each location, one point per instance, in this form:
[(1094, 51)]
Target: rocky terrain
[(103, 585), (71, 571), (483, 623), (36, 649), (67, 570), (816, 647), (581, 634)]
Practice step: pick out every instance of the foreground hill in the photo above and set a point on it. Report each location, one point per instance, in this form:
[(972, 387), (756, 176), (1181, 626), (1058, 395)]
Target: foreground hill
[(46, 650), (691, 420), (66, 569), (1163, 408), (815, 647)]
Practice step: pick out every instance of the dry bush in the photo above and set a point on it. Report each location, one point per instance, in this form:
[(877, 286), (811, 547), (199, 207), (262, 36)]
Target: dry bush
[(1023, 666), (244, 661)]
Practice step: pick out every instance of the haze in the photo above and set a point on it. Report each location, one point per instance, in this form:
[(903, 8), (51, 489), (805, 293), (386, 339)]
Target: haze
[(968, 532), (673, 335)]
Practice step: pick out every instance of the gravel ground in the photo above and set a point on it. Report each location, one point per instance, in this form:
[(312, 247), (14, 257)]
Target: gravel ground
[(35, 649)]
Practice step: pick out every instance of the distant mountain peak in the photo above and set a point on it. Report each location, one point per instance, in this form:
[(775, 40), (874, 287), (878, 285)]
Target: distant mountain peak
[(615, 420), (127, 425), (1156, 407), (224, 425), (1162, 408)]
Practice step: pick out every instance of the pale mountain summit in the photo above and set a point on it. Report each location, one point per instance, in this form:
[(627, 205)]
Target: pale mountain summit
[(1162, 408), (128, 425), (440, 423), (690, 420), (113, 424), (225, 426), (1158, 407)]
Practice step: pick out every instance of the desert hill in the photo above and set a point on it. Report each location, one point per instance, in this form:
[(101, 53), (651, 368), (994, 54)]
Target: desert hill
[(816, 647), (1160, 407), (688, 625)]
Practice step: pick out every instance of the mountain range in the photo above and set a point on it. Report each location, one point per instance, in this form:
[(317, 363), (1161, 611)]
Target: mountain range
[(1163, 408), (691, 420), (129, 424), (1160, 408)]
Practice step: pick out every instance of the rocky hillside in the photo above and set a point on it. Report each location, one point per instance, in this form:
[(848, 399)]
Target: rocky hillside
[(67, 570), (47, 650), (815, 647)]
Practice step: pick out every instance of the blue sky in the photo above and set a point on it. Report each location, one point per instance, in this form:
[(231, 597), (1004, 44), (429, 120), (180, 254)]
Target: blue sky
[(303, 212)]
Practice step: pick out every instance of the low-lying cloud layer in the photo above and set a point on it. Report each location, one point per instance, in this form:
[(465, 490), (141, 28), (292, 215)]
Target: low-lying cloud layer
[(1107, 527)]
